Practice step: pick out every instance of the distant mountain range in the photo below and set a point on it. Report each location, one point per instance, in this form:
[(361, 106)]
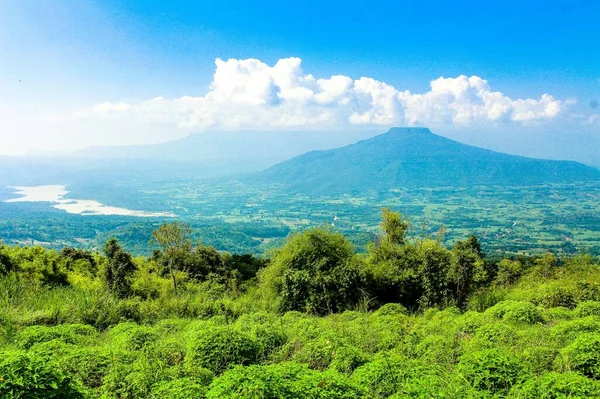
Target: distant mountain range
[(415, 157), (230, 152)]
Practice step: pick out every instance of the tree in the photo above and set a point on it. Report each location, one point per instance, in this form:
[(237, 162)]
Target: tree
[(435, 260), (174, 240), (119, 269), (315, 271), (394, 226), (467, 270), (393, 263)]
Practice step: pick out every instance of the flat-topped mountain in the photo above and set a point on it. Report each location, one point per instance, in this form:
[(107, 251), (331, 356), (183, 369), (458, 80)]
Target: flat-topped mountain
[(415, 157)]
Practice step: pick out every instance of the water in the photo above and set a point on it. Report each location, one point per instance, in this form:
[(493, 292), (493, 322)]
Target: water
[(55, 194)]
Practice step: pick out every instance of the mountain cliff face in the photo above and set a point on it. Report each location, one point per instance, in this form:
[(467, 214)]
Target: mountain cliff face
[(415, 157)]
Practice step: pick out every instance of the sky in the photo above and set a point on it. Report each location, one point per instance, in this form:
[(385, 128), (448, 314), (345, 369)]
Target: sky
[(79, 73)]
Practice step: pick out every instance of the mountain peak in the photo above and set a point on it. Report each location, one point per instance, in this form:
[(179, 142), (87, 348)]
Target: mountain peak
[(409, 130), (416, 157)]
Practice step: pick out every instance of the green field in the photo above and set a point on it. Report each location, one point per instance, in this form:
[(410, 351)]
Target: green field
[(238, 217)]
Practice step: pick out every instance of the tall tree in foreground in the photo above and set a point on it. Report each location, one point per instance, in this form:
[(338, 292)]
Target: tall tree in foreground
[(174, 240), (119, 269), (314, 271)]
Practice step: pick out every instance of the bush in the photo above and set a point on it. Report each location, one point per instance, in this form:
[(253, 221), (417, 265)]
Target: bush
[(438, 349), (587, 308), (282, 381), (493, 335), (557, 386), (391, 309), (131, 336), (583, 355), (516, 312), (569, 330), (90, 365), (221, 347), (67, 333), (382, 377), (24, 375), (315, 271), (470, 321), (182, 388), (492, 370), (559, 313)]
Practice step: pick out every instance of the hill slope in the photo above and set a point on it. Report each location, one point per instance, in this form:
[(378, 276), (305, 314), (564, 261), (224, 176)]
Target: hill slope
[(409, 157)]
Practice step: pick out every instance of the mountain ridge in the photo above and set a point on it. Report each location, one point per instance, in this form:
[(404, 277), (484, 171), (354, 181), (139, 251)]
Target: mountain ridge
[(409, 157)]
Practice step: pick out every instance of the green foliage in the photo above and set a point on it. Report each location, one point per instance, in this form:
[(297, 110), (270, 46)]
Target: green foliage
[(119, 269), (391, 309), (67, 333), (557, 386), (387, 324), (24, 375), (583, 355), (516, 312), (282, 381), (508, 272), (219, 348), (316, 272), (587, 308), (492, 370), (393, 226), (181, 388)]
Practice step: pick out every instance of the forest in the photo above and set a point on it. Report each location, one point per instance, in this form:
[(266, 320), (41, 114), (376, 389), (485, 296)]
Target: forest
[(408, 317)]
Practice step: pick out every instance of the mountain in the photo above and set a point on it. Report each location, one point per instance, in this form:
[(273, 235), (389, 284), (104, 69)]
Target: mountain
[(230, 152), (415, 157)]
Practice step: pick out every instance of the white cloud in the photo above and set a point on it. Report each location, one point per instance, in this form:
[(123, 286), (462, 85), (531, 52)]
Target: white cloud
[(593, 120), (251, 94)]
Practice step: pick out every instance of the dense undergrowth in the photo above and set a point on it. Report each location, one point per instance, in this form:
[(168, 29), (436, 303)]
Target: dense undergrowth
[(408, 319)]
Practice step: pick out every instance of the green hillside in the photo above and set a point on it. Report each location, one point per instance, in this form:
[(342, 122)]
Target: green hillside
[(411, 318), (415, 157)]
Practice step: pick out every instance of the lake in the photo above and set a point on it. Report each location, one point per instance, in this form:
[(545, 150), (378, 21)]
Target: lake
[(55, 195)]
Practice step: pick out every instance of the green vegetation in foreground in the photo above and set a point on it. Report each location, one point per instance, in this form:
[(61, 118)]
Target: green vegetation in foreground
[(410, 318)]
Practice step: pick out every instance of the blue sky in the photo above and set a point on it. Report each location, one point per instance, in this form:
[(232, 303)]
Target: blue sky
[(61, 58)]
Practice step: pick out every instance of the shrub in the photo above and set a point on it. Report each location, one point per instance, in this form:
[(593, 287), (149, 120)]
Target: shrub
[(492, 335), (569, 330), (24, 375), (553, 295), (509, 272), (559, 313), (67, 333), (391, 309), (382, 377), (516, 312), (583, 355), (347, 359), (282, 381), (587, 308), (485, 298), (131, 336), (221, 347), (540, 358), (470, 321), (90, 365), (266, 382), (315, 271), (182, 388), (317, 353), (493, 370), (438, 349), (556, 386)]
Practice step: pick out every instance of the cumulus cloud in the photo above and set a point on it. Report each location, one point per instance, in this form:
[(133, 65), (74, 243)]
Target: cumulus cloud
[(251, 94)]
